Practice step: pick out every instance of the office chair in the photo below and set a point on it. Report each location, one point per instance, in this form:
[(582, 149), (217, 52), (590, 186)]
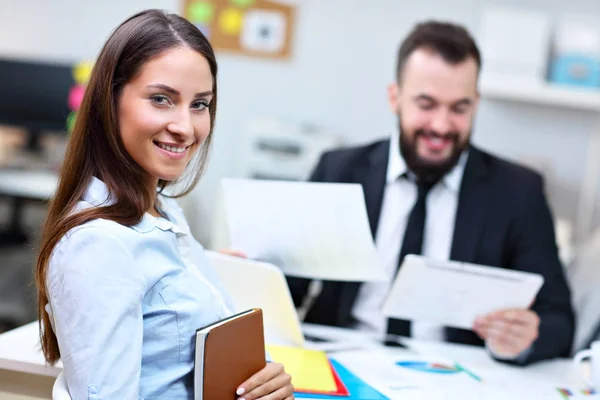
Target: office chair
[(59, 389)]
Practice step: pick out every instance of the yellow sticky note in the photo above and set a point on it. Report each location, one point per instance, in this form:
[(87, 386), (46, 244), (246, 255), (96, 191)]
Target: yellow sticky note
[(310, 369), (230, 21), (82, 72)]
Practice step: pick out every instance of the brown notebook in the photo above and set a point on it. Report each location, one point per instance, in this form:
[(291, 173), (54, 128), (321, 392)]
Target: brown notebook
[(228, 352)]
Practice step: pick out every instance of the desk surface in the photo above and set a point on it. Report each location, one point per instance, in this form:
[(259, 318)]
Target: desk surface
[(35, 185), (361, 353), (539, 381), (20, 351)]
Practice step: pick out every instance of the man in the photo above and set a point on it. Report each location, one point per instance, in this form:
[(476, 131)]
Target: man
[(429, 191)]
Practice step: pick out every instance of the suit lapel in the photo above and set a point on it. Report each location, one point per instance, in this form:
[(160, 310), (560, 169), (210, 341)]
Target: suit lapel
[(473, 203), (371, 175), (472, 207)]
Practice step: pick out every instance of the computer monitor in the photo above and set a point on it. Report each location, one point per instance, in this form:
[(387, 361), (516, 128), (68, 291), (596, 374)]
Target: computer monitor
[(35, 96)]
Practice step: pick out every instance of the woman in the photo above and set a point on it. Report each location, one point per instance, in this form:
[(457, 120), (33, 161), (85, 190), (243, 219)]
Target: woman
[(122, 283)]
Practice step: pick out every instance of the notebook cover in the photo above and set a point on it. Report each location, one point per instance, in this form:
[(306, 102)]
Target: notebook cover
[(358, 389), (233, 352)]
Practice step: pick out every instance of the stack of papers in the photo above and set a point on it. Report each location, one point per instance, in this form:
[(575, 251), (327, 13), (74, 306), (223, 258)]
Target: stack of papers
[(310, 369), (402, 375), (316, 376), (357, 388)]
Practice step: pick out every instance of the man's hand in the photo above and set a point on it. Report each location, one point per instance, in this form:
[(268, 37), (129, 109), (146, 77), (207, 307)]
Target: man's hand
[(508, 332)]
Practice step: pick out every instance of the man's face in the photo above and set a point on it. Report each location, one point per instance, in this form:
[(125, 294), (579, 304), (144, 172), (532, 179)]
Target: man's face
[(435, 102)]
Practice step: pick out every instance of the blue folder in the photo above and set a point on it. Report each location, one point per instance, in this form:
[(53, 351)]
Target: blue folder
[(358, 389)]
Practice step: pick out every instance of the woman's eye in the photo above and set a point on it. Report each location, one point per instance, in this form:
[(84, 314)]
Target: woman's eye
[(160, 100), (200, 105)]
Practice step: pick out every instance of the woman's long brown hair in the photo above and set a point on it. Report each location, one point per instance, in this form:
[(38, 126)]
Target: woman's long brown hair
[(95, 147)]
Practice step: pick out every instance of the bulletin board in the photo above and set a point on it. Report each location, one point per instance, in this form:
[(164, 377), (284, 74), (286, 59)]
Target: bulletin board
[(257, 28)]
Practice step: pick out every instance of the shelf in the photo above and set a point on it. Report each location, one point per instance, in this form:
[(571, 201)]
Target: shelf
[(542, 93)]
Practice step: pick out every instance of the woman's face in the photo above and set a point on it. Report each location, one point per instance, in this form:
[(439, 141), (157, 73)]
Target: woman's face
[(163, 112)]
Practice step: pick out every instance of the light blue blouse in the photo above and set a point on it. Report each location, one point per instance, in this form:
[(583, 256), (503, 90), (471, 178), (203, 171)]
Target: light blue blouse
[(125, 302)]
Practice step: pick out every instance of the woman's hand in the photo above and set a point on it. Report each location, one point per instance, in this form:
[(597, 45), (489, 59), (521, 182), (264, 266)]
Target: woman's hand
[(235, 253), (270, 383)]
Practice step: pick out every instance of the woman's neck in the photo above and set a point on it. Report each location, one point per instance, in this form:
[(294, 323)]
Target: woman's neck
[(153, 210)]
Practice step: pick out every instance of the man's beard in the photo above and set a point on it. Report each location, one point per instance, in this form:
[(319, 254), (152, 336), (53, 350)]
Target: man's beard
[(426, 170)]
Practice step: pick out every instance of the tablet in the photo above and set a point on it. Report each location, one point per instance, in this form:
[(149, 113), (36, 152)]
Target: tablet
[(454, 293)]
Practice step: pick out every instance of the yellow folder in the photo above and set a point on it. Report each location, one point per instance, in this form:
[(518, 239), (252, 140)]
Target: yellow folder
[(310, 369)]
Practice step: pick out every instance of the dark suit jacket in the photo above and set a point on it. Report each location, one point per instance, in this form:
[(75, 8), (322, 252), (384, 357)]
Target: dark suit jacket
[(502, 220)]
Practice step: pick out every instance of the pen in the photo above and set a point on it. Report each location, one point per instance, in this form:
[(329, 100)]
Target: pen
[(466, 371)]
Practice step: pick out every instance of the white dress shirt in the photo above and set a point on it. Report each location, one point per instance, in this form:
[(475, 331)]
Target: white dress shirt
[(399, 197)]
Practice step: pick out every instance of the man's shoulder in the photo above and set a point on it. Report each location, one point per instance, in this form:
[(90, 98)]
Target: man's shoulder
[(340, 165), (354, 154), (508, 171)]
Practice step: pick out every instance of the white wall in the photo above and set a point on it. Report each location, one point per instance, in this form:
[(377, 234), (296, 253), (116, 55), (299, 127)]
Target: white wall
[(344, 56), (64, 29)]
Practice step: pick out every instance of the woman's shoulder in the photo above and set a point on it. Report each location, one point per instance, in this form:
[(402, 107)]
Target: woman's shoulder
[(98, 246), (98, 230), (92, 239), (91, 251)]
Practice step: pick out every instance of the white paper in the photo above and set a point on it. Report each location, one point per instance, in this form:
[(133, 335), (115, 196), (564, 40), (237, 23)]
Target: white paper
[(454, 294), (539, 381), (377, 369), (309, 230)]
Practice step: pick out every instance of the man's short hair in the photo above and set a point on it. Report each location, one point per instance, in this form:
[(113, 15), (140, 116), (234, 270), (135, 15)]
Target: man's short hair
[(452, 42)]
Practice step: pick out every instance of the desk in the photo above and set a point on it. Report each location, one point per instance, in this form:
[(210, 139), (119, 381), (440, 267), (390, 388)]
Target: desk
[(22, 367), (23, 371), (542, 379), (20, 186)]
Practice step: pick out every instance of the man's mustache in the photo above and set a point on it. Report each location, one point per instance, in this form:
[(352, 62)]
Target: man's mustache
[(435, 135)]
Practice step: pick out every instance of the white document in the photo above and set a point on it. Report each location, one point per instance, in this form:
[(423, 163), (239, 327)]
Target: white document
[(376, 367), (382, 370), (454, 294), (309, 230)]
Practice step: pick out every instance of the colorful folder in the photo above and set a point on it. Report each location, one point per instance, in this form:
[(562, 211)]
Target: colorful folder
[(310, 369), (358, 389), (341, 388)]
